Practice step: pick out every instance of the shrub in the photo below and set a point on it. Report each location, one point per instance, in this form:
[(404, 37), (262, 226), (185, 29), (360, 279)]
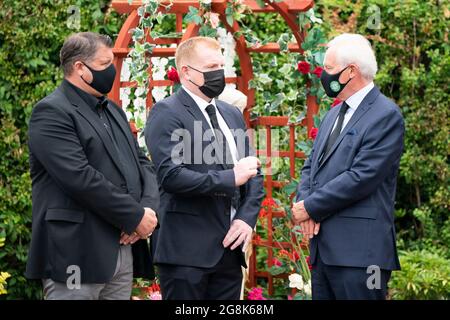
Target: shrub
[(424, 275)]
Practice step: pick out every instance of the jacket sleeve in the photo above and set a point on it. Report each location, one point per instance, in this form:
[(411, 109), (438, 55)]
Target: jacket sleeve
[(54, 141), (382, 145), (254, 188), (172, 173)]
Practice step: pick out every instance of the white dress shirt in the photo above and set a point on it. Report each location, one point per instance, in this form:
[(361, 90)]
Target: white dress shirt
[(353, 103), (202, 104)]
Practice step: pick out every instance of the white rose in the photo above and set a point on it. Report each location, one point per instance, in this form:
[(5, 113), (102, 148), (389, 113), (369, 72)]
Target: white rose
[(296, 281)]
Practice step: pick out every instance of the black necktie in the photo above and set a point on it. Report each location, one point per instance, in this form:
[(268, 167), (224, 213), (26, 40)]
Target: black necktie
[(222, 143), (337, 130)]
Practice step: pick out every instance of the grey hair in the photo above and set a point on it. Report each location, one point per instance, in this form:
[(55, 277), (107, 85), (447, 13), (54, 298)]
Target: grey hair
[(81, 47), (355, 48)]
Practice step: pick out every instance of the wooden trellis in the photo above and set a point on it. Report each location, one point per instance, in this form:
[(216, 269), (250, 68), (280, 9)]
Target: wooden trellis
[(288, 10)]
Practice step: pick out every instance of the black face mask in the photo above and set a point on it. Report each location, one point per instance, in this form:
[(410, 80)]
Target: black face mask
[(102, 80), (214, 82), (331, 84)]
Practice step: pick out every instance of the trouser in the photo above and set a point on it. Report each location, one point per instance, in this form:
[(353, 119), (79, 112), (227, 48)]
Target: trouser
[(346, 283), (221, 282), (119, 288)]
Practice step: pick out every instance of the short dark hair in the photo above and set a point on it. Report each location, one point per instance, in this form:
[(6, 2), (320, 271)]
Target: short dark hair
[(81, 46)]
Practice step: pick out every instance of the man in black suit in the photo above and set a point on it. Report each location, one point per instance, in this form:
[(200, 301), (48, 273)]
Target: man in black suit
[(94, 191), (211, 188)]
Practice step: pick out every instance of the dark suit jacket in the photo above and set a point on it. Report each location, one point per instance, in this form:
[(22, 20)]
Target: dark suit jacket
[(195, 198), (80, 198), (352, 191)]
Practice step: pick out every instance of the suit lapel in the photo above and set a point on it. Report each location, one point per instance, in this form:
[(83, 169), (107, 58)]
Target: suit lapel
[(328, 129), (94, 121), (360, 111), (194, 110)]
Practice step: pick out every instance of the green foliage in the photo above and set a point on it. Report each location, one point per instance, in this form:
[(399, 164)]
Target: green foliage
[(424, 275), (31, 35)]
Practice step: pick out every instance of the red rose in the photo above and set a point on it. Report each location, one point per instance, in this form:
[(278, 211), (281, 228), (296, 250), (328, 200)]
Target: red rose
[(269, 202), (303, 67), (313, 133), (172, 74), (295, 256), (318, 71), (335, 102), (276, 262)]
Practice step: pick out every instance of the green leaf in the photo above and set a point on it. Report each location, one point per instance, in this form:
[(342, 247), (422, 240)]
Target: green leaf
[(193, 16), (290, 188), (229, 14), (264, 78), (207, 31), (274, 270), (279, 98), (283, 42)]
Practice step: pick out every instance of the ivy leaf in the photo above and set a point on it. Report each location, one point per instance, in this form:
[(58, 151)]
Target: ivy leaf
[(286, 69), (229, 14), (283, 42), (193, 16), (138, 34), (207, 31), (300, 117), (152, 7), (319, 56), (147, 22), (290, 188), (316, 121), (274, 270), (292, 95), (252, 84), (279, 98), (264, 78), (305, 146), (280, 83)]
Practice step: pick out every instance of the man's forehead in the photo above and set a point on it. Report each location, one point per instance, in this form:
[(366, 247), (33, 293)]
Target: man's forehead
[(104, 53), (206, 51)]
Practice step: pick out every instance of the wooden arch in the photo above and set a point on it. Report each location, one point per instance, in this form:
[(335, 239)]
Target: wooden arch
[(288, 9)]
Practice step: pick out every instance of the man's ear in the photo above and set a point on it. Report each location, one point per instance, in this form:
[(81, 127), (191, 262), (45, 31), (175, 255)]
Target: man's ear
[(78, 67), (353, 70), (183, 72)]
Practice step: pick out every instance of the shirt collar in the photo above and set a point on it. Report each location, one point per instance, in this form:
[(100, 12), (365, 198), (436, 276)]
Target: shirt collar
[(201, 103), (92, 101), (355, 100)]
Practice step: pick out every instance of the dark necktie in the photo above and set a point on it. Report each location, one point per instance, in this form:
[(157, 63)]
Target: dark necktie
[(223, 144), (337, 130)]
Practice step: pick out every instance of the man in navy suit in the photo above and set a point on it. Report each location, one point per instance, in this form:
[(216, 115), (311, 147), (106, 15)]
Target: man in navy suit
[(345, 201), (210, 185)]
